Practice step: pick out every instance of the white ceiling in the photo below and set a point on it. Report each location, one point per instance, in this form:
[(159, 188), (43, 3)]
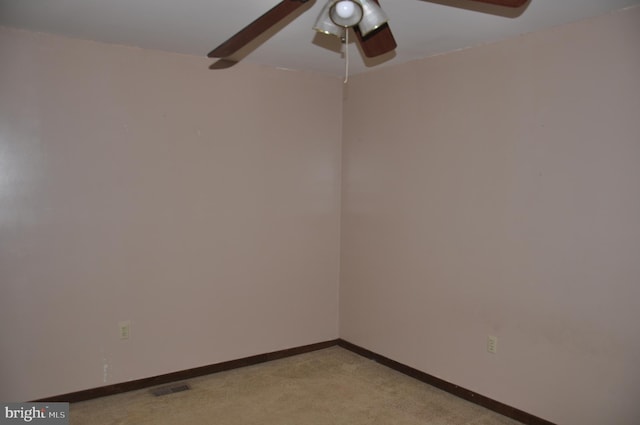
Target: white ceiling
[(422, 28)]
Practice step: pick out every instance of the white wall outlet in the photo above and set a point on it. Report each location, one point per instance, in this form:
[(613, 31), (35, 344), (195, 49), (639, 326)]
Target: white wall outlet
[(492, 344), (125, 329)]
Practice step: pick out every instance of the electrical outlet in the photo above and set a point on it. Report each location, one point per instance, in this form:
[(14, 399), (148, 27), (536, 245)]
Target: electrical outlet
[(125, 329), (492, 344)]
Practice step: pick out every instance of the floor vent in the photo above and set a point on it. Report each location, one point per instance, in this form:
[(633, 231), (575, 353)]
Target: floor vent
[(170, 389)]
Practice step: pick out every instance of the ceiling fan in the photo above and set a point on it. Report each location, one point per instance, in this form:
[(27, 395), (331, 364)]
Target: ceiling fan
[(366, 17)]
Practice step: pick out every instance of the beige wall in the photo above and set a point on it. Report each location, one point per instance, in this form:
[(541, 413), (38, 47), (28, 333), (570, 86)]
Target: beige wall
[(496, 191), (137, 185)]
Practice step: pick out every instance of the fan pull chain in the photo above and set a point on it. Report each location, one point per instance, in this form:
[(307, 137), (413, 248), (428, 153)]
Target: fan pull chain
[(346, 55)]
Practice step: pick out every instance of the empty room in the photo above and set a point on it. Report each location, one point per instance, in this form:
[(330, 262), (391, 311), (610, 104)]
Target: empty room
[(431, 220)]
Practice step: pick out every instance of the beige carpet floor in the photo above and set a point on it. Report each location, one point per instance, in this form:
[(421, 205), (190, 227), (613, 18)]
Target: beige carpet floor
[(327, 387)]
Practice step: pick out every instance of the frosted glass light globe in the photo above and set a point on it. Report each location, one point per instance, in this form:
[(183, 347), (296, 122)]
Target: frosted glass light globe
[(345, 9)]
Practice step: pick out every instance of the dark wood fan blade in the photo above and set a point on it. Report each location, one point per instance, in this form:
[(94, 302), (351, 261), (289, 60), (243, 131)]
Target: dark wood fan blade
[(256, 28), (378, 42), (507, 3)]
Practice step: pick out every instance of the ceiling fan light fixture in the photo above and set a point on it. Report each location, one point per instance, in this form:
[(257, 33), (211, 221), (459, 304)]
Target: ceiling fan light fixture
[(325, 25), (345, 9), (345, 13), (373, 17)]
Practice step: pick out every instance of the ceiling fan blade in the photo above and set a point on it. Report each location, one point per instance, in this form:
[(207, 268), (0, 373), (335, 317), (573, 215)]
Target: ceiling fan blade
[(378, 42), (507, 3), (256, 28)]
